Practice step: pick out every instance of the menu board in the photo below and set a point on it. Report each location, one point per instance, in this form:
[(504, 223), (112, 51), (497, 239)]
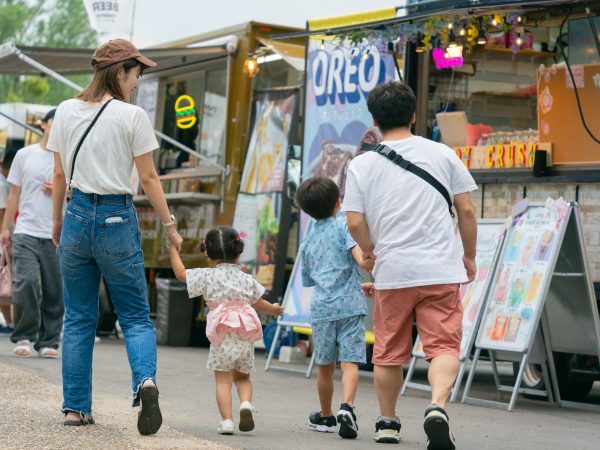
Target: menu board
[(524, 270), (490, 236)]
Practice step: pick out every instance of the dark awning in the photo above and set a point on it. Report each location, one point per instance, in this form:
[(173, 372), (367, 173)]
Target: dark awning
[(70, 61)]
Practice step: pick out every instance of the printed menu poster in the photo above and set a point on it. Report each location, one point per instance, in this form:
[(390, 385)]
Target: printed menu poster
[(525, 267), (473, 295)]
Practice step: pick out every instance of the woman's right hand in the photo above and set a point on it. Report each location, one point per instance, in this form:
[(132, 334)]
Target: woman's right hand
[(174, 238), (5, 237)]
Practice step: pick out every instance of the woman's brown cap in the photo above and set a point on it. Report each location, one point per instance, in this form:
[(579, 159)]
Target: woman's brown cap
[(115, 51)]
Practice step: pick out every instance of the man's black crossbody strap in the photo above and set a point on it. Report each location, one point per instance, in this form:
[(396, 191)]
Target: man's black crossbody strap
[(83, 139), (407, 165)]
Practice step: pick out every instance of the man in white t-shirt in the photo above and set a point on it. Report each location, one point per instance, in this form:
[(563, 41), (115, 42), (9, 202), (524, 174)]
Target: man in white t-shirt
[(37, 284), (402, 222)]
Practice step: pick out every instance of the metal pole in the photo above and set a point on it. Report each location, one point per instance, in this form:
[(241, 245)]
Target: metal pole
[(24, 125), (19, 54)]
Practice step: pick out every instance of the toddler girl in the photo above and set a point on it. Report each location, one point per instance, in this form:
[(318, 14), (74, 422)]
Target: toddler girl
[(232, 325)]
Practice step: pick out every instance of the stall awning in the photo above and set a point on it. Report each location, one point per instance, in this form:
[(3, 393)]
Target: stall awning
[(70, 61), (293, 54)]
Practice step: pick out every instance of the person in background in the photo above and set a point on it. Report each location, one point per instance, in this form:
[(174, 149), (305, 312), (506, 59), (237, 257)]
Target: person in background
[(403, 224), (5, 308), (232, 325), (330, 261), (37, 286), (99, 233)]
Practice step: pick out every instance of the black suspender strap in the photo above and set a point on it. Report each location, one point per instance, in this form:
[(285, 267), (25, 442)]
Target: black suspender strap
[(407, 165), (81, 143)]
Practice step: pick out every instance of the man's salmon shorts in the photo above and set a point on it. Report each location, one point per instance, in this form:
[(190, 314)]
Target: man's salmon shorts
[(438, 311)]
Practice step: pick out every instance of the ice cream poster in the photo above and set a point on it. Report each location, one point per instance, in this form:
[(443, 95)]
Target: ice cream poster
[(524, 268), (264, 167), (489, 240), (339, 78)]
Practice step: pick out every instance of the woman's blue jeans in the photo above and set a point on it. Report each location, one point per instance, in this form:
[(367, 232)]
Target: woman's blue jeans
[(100, 236)]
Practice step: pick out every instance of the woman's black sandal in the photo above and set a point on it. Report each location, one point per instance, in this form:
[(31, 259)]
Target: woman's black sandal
[(84, 419)]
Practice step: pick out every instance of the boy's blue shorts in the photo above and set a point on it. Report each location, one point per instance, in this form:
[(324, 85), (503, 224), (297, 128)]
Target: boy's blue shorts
[(344, 338)]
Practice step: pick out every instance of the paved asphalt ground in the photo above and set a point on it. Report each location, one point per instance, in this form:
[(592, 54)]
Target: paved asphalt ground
[(284, 401)]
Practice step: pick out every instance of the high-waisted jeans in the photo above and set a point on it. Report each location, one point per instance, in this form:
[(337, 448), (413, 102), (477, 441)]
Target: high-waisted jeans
[(100, 236)]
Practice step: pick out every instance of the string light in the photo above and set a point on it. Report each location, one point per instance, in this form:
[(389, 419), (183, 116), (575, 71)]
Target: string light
[(463, 31), (366, 55), (494, 22), (322, 44), (519, 40), (519, 19), (251, 67), (450, 25)]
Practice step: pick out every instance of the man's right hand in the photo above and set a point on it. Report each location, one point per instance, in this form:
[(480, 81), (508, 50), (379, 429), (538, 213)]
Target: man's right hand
[(470, 267), (5, 237)]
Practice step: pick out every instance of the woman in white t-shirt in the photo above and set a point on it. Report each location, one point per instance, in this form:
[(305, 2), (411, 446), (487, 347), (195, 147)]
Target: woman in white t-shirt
[(100, 234)]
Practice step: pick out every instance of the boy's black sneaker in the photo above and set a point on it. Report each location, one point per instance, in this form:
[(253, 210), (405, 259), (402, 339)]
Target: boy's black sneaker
[(317, 422), (439, 436), (387, 431), (347, 420)]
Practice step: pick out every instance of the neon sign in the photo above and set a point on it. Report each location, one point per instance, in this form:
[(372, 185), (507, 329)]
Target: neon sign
[(185, 112), (447, 59)]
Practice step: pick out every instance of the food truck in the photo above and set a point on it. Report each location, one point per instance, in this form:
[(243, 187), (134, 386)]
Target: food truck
[(512, 87)]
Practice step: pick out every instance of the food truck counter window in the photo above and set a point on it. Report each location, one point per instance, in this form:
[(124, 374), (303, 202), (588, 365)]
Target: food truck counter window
[(194, 114)]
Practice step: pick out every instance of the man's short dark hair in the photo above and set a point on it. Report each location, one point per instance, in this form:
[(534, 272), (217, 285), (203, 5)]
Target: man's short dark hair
[(49, 115), (392, 105), (317, 197)]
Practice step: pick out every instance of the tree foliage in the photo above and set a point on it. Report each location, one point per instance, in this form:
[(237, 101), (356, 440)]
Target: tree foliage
[(47, 23)]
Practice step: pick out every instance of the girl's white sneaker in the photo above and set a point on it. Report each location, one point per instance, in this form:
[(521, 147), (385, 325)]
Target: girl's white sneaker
[(246, 418), (225, 427)]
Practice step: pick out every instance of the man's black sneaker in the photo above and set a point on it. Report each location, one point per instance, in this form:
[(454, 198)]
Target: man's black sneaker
[(347, 420), (387, 431), (323, 424), (439, 436)]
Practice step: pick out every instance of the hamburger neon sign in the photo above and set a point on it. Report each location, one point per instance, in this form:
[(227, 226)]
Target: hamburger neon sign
[(185, 112)]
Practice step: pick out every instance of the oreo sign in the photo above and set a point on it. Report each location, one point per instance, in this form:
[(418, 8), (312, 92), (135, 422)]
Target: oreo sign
[(340, 76)]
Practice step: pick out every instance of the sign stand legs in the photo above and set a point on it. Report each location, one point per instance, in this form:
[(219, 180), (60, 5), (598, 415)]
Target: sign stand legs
[(272, 349), (539, 357), (269, 365)]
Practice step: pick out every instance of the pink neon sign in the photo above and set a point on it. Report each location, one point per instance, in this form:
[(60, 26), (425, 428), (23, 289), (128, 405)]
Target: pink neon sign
[(443, 60)]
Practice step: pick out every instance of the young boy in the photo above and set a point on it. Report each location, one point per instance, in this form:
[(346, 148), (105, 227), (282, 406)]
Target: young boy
[(338, 304)]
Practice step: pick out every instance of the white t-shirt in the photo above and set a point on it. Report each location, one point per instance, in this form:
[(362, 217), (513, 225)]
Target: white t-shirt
[(409, 222), (105, 160), (4, 190), (31, 167)]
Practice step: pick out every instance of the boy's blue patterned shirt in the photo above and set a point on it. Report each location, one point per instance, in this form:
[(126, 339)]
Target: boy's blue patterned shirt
[(328, 265)]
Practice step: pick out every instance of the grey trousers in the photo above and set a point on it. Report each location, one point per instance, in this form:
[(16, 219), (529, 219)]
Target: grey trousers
[(37, 291)]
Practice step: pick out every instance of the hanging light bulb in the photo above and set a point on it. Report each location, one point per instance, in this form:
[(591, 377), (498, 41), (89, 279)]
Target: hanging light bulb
[(519, 40), (420, 46), (450, 25), (494, 22), (463, 31), (366, 54), (481, 39), (519, 19), (451, 40), (251, 67)]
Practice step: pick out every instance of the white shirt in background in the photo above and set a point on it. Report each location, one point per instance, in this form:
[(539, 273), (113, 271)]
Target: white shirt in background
[(4, 190), (105, 160), (31, 167), (410, 225)]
